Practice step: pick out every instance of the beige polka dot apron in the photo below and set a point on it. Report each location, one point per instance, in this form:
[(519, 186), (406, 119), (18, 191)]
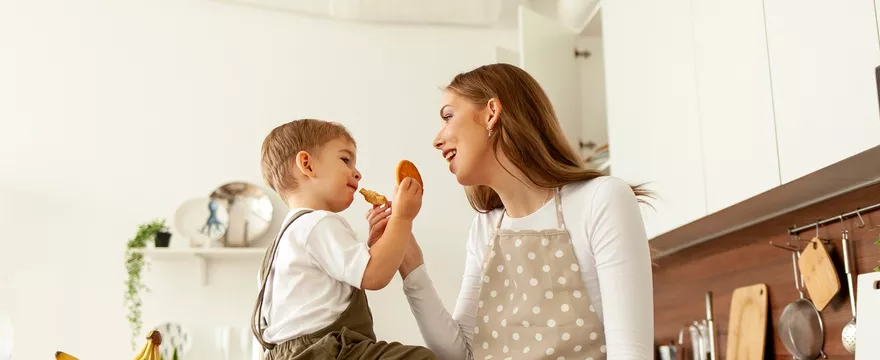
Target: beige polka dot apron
[(533, 303)]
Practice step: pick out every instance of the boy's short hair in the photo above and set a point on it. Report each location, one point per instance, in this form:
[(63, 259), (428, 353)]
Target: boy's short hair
[(285, 141)]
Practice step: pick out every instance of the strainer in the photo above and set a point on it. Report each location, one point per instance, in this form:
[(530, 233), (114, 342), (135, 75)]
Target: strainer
[(800, 327)]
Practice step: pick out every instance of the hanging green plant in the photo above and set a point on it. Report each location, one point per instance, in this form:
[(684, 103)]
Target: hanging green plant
[(134, 263)]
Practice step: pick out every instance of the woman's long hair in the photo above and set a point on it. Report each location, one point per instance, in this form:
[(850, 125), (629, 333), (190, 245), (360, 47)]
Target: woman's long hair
[(528, 132)]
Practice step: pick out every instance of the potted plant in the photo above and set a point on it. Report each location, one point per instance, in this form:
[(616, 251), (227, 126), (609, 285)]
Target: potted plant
[(134, 263), (163, 238)]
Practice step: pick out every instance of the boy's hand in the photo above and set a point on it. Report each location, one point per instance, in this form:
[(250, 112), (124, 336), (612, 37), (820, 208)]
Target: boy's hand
[(377, 218), (407, 200)]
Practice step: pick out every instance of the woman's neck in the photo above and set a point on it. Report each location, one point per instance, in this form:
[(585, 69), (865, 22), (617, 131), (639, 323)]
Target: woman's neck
[(520, 198)]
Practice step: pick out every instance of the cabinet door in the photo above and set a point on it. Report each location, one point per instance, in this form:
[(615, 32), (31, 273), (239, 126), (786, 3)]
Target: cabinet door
[(653, 125), (822, 59), (547, 53), (736, 104)]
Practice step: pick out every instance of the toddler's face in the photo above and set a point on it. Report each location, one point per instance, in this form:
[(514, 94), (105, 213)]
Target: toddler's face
[(337, 174)]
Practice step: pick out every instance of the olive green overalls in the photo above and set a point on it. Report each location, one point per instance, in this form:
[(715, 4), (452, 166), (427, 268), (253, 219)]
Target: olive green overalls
[(351, 336)]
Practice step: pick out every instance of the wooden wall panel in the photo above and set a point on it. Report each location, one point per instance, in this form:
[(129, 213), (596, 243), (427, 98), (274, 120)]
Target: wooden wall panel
[(681, 280)]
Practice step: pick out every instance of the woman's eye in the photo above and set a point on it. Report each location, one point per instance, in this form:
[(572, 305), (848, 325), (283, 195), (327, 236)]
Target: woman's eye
[(447, 117)]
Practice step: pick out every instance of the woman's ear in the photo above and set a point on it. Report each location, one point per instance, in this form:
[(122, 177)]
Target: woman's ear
[(494, 113), (304, 163)]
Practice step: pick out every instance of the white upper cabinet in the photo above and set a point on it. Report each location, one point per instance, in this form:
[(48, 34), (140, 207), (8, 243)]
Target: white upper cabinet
[(822, 60), (653, 125), (735, 101), (547, 53)]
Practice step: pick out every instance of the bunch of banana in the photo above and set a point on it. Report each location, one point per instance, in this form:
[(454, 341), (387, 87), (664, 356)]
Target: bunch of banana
[(61, 355), (151, 348)]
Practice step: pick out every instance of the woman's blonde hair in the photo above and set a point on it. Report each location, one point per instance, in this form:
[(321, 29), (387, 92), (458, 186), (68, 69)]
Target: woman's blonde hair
[(527, 131)]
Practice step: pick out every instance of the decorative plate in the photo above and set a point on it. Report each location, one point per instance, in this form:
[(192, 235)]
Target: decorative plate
[(174, 336), (202, 220)]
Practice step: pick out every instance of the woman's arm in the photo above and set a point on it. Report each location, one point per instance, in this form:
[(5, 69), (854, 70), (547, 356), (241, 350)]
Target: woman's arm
[(448, 336), (623, 263)]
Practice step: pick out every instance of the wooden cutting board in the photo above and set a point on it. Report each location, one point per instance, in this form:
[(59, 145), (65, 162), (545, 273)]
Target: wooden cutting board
[(820, 276), (746, 330)]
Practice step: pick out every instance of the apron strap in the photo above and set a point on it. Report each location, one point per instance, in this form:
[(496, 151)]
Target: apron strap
[(558, 199), (558, 205), (257, 324)]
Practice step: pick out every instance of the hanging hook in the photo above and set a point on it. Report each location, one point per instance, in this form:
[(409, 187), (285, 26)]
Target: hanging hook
[(784, 247), (817, 230), (860, 219), (842, 223)]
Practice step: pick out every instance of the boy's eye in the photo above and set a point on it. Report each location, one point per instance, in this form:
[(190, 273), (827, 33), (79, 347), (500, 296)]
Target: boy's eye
[(345, 160)]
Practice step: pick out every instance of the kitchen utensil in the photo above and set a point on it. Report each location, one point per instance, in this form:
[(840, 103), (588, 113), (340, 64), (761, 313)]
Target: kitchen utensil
[(746, 330), (868, 289), (800, 326), (819, 274), (668, 352), (711, 350), (848, 335), (696, 341)]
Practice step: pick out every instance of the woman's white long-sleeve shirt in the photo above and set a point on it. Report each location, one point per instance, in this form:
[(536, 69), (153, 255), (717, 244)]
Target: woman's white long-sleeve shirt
[(604, 221)]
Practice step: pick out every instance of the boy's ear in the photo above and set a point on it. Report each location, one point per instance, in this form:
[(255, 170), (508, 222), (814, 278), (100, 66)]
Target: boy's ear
[(304, 163)]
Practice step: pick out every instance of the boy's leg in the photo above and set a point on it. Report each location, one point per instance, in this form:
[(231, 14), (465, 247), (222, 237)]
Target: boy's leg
[(350, 345), (356, 346)]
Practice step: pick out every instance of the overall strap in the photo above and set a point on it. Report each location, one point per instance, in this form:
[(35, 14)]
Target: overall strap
[(258, 326)]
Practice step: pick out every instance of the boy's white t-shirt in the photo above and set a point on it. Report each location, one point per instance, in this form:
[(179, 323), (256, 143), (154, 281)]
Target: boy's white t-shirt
[(319, 260)]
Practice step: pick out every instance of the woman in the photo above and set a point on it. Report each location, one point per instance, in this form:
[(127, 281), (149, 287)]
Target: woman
[(558, 264)]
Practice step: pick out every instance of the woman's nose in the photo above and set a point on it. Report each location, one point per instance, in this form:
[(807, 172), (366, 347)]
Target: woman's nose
[(438, 142)]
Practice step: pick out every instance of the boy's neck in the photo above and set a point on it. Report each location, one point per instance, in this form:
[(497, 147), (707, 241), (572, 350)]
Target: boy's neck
[(302, 200)]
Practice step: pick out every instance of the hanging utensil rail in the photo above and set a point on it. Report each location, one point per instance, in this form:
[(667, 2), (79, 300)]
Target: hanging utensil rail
[(856, 212)]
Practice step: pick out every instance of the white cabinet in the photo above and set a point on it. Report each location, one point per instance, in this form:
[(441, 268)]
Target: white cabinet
[(546, 50), (822, 60), (653, 124), (735, 102)]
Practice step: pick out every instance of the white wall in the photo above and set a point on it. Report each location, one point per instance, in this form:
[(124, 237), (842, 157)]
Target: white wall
[(115, 112)]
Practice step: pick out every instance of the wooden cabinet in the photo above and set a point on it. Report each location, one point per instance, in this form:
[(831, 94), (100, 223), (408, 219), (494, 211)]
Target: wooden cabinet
[(735, 101), (822, 59), (653, 128)]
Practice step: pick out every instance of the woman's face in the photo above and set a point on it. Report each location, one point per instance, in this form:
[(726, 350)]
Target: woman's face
[(463, 140)]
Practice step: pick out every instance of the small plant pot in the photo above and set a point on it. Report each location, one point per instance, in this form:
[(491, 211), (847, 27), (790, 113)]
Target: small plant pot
[(163, 239)]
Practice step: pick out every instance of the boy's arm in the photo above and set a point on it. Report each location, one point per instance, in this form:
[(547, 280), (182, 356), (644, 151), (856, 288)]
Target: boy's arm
[(387, 254)]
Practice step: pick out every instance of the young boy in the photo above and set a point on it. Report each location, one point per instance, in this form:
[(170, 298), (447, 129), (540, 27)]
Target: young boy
[(312, 303)]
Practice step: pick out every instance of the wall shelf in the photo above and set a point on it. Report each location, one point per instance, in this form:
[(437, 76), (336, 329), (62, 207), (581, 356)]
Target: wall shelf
[(203, 256)]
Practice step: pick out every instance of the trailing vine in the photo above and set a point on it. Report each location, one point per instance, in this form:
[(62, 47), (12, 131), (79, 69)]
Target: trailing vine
[(134, 263)]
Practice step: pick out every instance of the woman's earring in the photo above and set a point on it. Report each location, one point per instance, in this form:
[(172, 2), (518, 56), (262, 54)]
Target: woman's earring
[(490, 133)]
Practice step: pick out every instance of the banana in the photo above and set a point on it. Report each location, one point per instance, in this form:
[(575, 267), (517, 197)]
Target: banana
[(60, 355), (143, 351), (151, 347)]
